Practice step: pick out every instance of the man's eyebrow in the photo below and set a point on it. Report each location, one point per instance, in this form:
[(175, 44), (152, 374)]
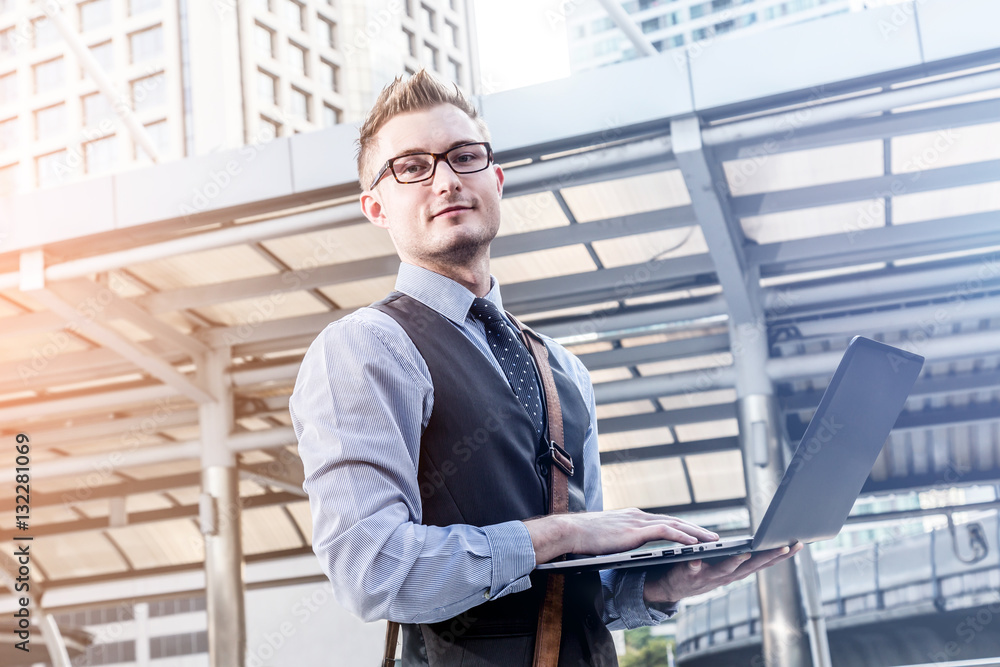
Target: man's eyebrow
[(420, 149)]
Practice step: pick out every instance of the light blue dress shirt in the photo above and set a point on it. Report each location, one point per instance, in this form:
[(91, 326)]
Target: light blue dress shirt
[(361, 401)]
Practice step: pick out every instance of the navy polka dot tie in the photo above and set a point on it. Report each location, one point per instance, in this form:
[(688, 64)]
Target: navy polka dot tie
[(514, 358)]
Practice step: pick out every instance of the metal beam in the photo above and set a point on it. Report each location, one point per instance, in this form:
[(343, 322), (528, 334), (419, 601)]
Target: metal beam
[(374, 267), (709, 192), (695, 415), (83, 323), (861, 189), (107, 305), (628, 26), (18, 412), (659, 452), (641, 354)]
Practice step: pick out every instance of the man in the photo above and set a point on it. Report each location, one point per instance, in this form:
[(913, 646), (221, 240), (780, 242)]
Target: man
[(422, 442)]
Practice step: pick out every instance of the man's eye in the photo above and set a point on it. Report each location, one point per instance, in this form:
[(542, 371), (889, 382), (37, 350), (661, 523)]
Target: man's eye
[(411, 167)]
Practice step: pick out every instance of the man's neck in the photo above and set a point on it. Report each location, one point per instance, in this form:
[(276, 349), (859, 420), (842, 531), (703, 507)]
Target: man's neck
[(474, 277)]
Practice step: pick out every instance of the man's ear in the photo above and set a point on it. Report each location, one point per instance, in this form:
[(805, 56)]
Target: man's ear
[(499, 173), (373, 209)]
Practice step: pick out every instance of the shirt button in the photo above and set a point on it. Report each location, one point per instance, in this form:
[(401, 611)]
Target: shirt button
[(543, 469)]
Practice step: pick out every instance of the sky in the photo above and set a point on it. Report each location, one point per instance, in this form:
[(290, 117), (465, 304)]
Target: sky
[(521, 42)]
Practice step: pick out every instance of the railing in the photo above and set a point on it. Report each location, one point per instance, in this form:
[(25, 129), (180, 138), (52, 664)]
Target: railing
[(943, 569)]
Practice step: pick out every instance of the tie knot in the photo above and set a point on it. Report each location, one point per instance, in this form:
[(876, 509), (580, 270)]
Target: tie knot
[(486, 311)]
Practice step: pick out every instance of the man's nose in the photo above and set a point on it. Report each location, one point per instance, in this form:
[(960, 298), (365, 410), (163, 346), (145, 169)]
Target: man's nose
[(445, 177)]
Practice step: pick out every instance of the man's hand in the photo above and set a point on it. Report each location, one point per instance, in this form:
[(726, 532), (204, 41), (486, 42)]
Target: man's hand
[(597, 533), (672, 583)]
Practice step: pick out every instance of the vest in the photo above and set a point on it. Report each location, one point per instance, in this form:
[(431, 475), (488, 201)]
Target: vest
[(480, 464)]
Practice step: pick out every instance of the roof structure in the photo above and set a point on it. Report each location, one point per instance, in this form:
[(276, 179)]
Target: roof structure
[(828, 179)]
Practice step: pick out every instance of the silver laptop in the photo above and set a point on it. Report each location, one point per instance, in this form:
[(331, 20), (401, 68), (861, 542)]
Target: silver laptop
[(826, 472)]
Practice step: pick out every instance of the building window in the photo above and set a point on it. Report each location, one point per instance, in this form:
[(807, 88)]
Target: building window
[(99, 155), (332, 115), (409, 8), (50, 75), (455, 70), (96, 109), (149, 92), (297, 58), (159, 134), (147, 44), (269, 129), (452, 31), (9, 137), (429, 17), (295, 14), (52, 169), (267, 88), (331, 75), (431, 56), (94, 14), (328, 32), (140, 6), (263, 38), (7, 43), (697, 11), (651, 25), (411, 42), (104, 54), (8, 179), (300, 103), (45, 32), (8, 88)]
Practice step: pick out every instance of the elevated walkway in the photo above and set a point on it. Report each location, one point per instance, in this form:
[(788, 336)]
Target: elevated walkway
[(931, 597)]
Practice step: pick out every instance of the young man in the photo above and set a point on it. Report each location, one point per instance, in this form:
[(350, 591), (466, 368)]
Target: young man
[(423, 438)]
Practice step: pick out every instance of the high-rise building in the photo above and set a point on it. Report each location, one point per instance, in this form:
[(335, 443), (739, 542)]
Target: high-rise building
[(201, 75), (595, 40)]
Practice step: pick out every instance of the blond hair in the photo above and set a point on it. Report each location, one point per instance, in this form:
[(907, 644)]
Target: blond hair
[(419, 92)]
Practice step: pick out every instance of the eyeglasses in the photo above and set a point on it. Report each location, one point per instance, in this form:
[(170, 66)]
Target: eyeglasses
[(416, 167)]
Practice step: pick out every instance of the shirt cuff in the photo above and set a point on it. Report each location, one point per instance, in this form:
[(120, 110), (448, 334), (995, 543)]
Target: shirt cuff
[(635, 611), (513, 558)]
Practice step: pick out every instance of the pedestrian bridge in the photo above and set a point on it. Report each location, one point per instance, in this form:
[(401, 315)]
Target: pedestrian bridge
[(924, 598)]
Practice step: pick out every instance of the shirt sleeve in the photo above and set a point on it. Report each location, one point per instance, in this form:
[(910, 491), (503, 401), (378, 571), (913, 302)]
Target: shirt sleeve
[(361, 400), (624, 607)]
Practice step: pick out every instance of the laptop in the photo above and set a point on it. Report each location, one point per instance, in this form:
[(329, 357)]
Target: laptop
[(825, 474)]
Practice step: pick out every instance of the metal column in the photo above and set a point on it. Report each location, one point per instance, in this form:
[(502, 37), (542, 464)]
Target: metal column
[(785, 642), (220, 519)]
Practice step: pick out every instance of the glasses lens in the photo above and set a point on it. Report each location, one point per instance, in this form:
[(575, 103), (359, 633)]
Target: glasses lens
[(413, 167), (465, 159)]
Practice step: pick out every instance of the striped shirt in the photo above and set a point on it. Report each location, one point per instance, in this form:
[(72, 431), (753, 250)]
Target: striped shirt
[(361, 401)]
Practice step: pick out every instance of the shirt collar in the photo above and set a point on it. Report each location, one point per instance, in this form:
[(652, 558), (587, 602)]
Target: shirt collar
[(442, 293)]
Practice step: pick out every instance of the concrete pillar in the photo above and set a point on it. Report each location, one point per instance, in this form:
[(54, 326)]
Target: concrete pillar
[(220, 519), (785, 642)]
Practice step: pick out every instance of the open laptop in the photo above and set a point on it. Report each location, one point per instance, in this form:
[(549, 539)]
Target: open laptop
[(826, 472)]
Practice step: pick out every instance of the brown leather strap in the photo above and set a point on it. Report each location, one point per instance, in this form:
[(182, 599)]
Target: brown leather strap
[(391, 637), (561, 467)]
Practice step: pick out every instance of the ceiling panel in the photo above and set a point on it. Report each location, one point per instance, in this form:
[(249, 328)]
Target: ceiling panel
[(655, 483), (174, 542), (716, 476), (268, 529), (722, 428), (771, 172), (945, 148), (264, 309), (935, 204), (357, 293), (203, 268), (623, 196), (608, 442), (624, 409), (639, 248), (529, 213), (818, 221), (332, 246), (84, 555), (705, 361), (539, 264)]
